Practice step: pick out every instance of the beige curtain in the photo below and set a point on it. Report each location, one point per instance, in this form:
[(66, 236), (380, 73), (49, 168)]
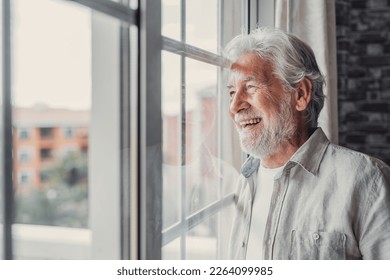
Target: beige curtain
[(314, 21)]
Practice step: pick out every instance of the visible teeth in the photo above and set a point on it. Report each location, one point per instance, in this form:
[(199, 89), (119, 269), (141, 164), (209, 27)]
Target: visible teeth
[(251, 121)]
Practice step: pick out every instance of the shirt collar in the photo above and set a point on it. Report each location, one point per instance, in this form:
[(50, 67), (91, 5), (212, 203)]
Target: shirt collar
[(309, 155), (250, 165)]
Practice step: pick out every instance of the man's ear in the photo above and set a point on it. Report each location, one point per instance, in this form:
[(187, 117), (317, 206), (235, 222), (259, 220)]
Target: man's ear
[(302, 94)]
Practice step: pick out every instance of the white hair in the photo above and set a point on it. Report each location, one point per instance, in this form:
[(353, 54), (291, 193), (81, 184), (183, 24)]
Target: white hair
[(291, 58)]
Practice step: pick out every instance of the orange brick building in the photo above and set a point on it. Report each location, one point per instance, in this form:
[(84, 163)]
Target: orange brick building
[(41, 135)]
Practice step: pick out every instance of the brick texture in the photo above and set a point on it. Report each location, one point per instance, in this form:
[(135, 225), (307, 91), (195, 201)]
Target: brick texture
[(363, 58)]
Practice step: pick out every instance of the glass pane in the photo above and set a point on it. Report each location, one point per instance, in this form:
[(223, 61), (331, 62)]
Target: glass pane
[(202, 176), (201, 147), (170, 18), (232, 20), (51, 117), (171, 138), (171, 251), (224, 220), (52, 99), (202, 24), (209, 239), (202, 241), (131, 3)]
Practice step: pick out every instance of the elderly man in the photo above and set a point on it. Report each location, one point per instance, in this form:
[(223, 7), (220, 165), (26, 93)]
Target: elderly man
[(299, 196)]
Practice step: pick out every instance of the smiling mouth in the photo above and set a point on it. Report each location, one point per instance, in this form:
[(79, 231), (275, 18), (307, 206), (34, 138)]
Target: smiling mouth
[(250, 123)]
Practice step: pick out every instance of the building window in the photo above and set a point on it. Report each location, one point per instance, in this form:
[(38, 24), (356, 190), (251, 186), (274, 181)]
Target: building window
[(44, 176), (46, 132), (24, 155), (46, 154), (68, 132), (25, 177), (24, 133)]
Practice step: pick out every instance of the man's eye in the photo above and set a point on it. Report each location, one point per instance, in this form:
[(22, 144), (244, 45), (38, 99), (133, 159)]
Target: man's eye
[(251, 88), (231, 93)]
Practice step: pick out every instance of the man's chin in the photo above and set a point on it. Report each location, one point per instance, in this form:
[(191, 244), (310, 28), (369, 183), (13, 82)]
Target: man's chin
[(251, 150), (257, 150)]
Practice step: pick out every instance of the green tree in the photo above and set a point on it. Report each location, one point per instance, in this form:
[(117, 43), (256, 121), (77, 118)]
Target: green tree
[(63, 199)]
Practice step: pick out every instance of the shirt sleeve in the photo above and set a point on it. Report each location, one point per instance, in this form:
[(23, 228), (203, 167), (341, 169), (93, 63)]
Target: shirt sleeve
[(374, 243)]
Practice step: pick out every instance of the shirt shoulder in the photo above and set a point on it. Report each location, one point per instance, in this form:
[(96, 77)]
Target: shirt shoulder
[(349, 158), (364, 172)]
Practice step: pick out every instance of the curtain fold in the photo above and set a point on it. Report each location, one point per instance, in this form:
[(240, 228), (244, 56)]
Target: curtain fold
[(314, 21)]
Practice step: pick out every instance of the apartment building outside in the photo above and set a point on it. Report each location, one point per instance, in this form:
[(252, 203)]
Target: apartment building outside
[(43, 135)]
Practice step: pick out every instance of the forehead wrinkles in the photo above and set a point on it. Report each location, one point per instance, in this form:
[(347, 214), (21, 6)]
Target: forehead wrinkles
[(236, 77), (250, 69)]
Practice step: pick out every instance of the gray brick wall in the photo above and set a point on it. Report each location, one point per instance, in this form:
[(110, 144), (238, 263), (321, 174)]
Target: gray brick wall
[(363, 58)]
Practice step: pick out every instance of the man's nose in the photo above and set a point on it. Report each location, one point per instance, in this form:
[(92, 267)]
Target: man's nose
[(238, 102)]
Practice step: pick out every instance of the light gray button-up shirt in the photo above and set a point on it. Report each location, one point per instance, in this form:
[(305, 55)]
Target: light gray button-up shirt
[(329, 202)]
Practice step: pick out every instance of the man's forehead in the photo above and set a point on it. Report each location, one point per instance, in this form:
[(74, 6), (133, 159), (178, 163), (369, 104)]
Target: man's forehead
[(236, 75), (245, 77), (249, 67)]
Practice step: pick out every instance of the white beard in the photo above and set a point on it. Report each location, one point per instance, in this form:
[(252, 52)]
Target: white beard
[(265, 141)]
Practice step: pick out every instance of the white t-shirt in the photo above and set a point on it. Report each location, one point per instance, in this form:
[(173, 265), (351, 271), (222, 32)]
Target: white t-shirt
[(260, 209)]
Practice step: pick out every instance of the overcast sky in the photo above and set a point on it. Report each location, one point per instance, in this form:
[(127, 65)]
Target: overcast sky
[(51, 54)]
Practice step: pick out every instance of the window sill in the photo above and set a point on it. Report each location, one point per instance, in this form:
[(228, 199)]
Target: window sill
[(50, 242)]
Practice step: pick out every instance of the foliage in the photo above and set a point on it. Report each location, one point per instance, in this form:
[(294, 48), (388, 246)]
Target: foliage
[(63, 198)]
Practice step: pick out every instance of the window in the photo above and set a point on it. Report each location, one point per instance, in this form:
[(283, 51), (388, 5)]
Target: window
[(197, 177), (25, 177), (46, 132), (46, 153), (24, 155), (141, 113), (44, 176), (24, 133), (62, 71), (68, 132)]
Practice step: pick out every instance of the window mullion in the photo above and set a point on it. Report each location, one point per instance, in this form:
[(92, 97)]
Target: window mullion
[(150, 121), (125, 140), (219, 126), (183, 147), (117, 10), (7, 147), (193, 52), (266, 12), (196, 218)]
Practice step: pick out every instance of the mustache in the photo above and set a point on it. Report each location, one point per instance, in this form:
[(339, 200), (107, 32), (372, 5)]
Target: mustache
[(245, 115)]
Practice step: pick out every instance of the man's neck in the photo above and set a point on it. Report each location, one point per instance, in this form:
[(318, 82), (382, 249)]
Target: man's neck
[(285, 151)]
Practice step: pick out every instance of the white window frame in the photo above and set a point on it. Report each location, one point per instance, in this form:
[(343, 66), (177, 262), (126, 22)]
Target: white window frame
[(104, 150)]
